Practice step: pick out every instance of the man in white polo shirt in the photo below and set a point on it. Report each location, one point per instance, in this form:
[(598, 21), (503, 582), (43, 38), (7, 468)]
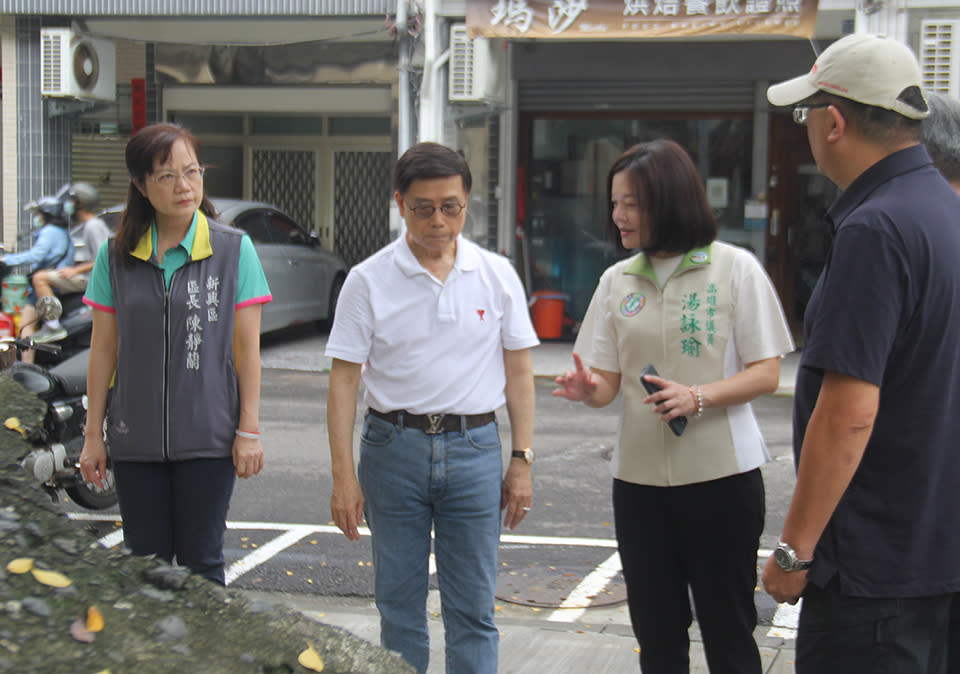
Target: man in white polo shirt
[(438, 331)]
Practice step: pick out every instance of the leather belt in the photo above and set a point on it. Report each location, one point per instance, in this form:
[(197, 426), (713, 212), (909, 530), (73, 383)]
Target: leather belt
[(431, 424)]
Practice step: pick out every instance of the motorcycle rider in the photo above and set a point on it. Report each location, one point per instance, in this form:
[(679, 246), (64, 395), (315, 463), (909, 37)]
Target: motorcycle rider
[(81, 202), (52, 249)]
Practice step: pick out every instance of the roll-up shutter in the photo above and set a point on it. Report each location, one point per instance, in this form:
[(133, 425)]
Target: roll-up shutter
[(602, 95), (99, 160)]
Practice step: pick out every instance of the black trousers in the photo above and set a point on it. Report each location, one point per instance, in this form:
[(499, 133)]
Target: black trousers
[(703, 537), (839, 634), (177, 510)]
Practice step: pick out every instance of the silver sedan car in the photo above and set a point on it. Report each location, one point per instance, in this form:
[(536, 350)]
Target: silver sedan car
[(304, 277)]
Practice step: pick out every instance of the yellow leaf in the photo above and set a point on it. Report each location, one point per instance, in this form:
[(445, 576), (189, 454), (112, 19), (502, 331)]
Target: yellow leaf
[(94, 619), (20, 565), (14, 425), (51, 578), (311, 659)]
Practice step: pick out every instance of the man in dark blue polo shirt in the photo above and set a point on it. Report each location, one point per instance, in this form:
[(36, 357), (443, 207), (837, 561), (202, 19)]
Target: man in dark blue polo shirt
[(872, 538)]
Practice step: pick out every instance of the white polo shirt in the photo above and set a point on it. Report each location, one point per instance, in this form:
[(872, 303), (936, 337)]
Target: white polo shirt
[(429, 347)]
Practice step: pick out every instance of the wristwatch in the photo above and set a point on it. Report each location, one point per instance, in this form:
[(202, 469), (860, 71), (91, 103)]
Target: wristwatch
[(528, 455), (787, 558)]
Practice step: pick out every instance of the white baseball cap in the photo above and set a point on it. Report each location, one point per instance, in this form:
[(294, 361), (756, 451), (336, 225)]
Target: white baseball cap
[(870, 69)]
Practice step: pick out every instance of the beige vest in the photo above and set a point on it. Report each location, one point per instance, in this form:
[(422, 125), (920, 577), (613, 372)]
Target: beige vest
[(693, 329)]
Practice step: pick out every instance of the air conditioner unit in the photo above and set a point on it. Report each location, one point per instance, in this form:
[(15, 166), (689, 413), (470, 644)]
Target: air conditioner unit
[(940, 56), (77, 66), (477, 68)]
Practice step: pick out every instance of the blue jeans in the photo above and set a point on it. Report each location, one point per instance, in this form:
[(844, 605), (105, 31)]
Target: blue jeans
[(450, 481)]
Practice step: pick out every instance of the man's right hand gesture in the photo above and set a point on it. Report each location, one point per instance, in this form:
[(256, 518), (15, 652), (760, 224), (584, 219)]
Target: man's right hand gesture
[(346, 506)]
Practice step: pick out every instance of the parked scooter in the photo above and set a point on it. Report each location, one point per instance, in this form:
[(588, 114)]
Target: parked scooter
[(77, 318), (63, 387)]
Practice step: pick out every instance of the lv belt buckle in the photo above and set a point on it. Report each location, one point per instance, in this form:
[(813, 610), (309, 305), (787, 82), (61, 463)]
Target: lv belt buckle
[(436, 421)]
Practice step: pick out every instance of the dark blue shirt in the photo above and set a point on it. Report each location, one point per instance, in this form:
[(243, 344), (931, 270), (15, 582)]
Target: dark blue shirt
[(886, 310)]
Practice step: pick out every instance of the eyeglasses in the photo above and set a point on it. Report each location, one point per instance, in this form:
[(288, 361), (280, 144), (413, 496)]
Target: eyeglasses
[(800, 112), (451, 209), (169, 179)]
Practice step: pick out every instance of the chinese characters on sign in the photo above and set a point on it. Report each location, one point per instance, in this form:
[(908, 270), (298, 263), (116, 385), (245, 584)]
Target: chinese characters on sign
[(195, 320), (593, 19)]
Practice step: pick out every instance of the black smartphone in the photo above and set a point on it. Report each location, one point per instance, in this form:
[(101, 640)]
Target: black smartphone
[(678, 424)]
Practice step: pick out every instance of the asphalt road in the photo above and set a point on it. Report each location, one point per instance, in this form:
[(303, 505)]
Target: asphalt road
[(281, 538)]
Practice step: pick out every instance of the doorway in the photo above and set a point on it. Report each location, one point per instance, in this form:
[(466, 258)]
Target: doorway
[(798, 237)]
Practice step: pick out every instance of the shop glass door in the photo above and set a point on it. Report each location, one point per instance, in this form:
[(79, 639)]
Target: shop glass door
[(565, 213)]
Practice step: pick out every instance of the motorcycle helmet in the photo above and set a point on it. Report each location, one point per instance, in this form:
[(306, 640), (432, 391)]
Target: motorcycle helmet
[(86, 196), (52, 210)]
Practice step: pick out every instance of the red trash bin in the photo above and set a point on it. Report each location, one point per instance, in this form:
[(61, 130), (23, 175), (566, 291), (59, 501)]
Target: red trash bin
[(547, 313)]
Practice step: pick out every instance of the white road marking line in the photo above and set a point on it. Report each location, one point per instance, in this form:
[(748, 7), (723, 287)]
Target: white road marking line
[(573, 606), (267, 551), (112, 539), (785, 621)]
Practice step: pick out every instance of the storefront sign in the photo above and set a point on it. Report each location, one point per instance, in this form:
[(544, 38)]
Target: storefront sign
[(619, 19)]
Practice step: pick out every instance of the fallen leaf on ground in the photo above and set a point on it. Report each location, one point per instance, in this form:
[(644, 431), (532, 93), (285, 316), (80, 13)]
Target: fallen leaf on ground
[(20, 565), (51, 578), (94, 619), (14, 425), (311, 659), (79, 631)]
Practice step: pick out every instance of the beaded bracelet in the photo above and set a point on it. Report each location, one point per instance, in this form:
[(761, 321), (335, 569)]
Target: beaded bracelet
[(699, 393), (249, 435)]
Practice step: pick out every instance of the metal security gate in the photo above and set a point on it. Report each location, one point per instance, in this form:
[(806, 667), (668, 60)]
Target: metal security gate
[(287, 179), (361, 202)]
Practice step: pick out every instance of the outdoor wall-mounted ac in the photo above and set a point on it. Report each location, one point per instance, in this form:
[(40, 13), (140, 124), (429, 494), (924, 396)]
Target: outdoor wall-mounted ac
[(77, 66), (940, 56), (477, 68)]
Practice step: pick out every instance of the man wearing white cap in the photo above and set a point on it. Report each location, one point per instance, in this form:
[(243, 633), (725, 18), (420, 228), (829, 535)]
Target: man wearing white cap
[(872, 537)]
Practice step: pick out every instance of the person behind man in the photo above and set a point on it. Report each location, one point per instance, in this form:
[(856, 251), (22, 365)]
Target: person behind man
[(82, 201), (51, 249), (872, 536), (940, 132), (438, 331)]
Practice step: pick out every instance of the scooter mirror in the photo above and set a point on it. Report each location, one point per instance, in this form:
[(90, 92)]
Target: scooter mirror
[(49, 308)]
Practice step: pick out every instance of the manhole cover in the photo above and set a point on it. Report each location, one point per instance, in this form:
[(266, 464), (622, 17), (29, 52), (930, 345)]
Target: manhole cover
[(548, 586)]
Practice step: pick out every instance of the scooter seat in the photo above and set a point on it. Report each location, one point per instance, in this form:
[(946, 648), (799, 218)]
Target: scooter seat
[(72, 373)]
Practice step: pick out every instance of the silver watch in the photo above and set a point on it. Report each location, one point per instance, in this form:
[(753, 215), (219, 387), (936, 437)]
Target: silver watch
[(787, 558)]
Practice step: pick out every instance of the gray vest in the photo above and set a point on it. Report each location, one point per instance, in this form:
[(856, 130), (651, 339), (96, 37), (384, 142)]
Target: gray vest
[(175, 393)]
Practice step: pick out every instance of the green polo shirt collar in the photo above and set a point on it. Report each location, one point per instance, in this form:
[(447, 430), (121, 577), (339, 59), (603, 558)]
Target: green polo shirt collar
[(194, 246), (696, 257), (196, 243)]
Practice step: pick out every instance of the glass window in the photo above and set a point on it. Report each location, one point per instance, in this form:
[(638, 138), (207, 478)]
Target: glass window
[(285, 230), (288, 126), (566, 206), (359, 126), (255, 224), (210, 124), (224, 175)]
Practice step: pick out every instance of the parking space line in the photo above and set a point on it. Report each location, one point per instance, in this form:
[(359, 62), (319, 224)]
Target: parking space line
[(267, 551), (112, 539), (573, 606), (786, 621)]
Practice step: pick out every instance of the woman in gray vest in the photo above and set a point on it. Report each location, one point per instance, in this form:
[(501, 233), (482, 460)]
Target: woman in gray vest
[(177, 299)]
